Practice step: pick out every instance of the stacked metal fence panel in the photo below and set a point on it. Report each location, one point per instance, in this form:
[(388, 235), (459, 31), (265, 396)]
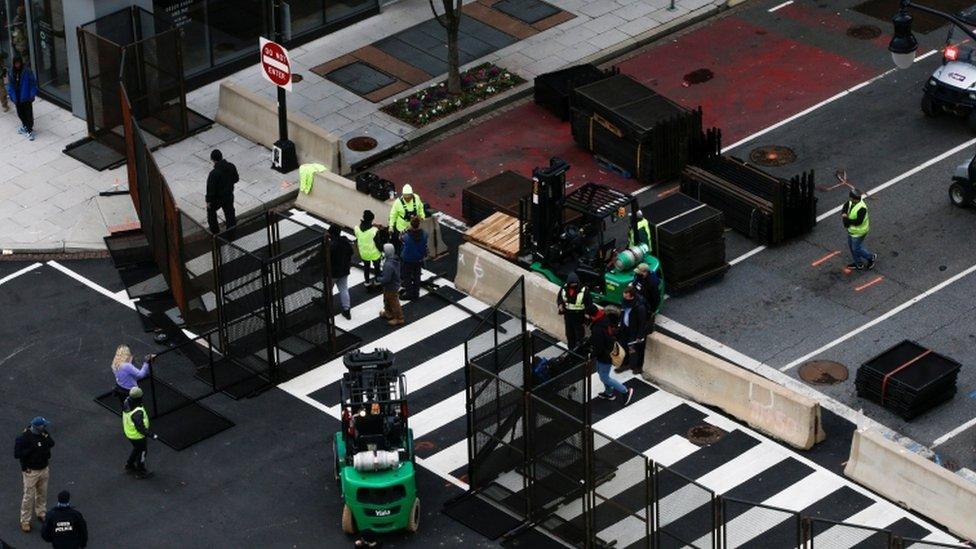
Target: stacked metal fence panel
[(908, 379), (634, 128), (552, 90), (765, 208), (688, 238)]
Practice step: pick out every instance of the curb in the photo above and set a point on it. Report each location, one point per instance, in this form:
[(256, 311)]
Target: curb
[(431, 131), (422, 135)]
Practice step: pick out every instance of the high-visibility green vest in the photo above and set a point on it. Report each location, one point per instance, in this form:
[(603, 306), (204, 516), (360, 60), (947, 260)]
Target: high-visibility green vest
[(129, 426), (642, 225), (578, 304), (852, 211), (306, 176), (401, 212), (366, 242)]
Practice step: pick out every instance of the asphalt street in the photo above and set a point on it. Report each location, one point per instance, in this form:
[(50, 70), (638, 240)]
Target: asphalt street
[(265, 482), (796, 302)]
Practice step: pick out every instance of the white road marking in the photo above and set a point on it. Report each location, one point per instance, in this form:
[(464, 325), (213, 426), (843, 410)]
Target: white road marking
[(875, 190), (671, 450), (823, 103), (124, 300), (25, 270), (946, 437), (783, 5), (396, 340), (879, 319)]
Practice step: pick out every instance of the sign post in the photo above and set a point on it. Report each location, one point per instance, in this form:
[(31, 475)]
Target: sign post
[(276, 68)]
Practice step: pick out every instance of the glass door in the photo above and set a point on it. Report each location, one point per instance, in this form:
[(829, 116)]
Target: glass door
[(51, 52)]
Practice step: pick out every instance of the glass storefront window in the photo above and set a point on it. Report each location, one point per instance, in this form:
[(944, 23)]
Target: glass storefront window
[(15, 21), (190, 16), (337, 10), (235, 26), (51, 62), (306, 15)]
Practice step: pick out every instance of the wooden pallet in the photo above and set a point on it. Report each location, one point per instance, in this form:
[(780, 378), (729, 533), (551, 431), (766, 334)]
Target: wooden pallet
[(498, 233)]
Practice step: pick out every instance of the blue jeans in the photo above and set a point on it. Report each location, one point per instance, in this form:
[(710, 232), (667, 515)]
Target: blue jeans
[(858, 251), (609, 384)]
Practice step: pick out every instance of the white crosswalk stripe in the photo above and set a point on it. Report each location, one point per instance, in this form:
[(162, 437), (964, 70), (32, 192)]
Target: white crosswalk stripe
[(657, 417)]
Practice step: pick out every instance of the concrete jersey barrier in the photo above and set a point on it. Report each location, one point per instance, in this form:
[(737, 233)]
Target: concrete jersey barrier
[(335, 199), (487, 276), (256, 118), (761, 403), (913, 481)]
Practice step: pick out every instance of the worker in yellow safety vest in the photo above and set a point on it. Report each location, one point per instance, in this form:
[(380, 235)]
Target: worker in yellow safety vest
[(369, 253), (856, 220), (405, 207), (572, 301), (135, 425), (643, 232)]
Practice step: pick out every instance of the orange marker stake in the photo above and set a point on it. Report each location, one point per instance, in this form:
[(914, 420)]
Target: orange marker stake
[(869, 284), (824, 258)]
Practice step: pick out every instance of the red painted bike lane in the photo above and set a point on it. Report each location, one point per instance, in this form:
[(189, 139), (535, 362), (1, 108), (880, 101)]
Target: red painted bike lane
[(757, 78)]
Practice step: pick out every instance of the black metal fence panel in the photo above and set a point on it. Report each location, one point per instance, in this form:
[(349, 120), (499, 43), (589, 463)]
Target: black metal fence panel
[(828, 534), (743, 521)]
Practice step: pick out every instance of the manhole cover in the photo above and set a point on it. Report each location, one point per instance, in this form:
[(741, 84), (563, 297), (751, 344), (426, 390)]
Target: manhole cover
[(864, 32), (362, 143), (823, 372), (705, 434), (772, 155), (698, 76), (296, 78)]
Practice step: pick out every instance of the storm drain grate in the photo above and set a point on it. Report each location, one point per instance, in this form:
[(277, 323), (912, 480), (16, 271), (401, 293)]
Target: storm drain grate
[(864, 32), (823, 372), (698, 76), (772, 155), (705, 434)]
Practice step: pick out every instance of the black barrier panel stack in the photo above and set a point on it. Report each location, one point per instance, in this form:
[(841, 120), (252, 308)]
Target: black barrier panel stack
[(634, 128), (767, 209), (908, 379), (688, 237), (552, 90)]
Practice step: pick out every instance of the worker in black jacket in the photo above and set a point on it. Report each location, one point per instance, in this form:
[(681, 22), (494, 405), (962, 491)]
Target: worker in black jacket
[(65, 527), (572, 302), (603, 335), (340, 261), (633, 329), (220, 191), (33, 449)]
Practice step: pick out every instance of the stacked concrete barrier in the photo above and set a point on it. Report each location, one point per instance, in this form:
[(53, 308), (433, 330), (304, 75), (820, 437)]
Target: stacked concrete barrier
[(335, 199), (487, 276), (256, 118), (913, 481), (761, 403)]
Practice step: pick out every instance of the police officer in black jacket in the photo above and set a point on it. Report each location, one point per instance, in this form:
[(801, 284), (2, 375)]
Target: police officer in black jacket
[(65, 527), (220, 191)]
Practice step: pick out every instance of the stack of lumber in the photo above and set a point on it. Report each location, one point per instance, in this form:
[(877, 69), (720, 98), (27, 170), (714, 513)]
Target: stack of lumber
[(498, 233), (765, 208)]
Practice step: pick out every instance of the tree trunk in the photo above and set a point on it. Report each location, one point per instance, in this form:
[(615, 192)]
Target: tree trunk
[(451, 21), (453, 58)]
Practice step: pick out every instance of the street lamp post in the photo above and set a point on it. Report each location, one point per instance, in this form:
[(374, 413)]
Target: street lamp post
[(903, 44), (289, 157)]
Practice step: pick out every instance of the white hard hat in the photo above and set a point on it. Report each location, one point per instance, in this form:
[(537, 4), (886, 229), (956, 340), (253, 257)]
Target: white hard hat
[(407, 189)]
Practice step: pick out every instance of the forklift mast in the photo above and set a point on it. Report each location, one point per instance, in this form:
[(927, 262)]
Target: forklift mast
[(548, 190)]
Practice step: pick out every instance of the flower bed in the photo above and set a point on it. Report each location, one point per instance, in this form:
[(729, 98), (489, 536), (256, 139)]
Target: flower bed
[(477, 84)]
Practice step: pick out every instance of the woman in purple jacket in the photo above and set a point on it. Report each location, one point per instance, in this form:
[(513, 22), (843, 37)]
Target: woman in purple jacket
[(127, 375)]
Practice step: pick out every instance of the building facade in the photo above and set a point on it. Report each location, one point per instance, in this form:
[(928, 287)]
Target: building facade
[(219, 36)]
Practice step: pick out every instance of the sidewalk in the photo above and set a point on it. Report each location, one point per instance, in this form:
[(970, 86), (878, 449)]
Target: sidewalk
[(50, 202)]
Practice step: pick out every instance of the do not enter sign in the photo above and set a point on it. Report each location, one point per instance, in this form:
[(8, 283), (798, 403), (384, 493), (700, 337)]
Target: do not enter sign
[(274, 64)]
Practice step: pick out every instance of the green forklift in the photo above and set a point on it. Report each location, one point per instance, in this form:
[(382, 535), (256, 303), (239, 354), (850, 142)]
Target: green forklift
[(586, 231), (374, 459)]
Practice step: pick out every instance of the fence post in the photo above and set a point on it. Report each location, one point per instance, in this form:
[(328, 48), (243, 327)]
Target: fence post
[(804, 533), (152, 386), (269, 324), (213, 369), (327, 289)]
